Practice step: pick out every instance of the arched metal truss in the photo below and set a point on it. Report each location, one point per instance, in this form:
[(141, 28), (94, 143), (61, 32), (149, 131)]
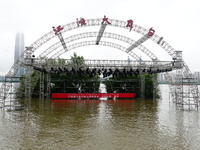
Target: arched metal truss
[(185, 72), (94, 34), (89, 22), (87, 43), (94, 22), (97, 22)]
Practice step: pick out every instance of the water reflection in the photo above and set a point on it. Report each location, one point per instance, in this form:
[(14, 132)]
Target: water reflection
[(100, 124)]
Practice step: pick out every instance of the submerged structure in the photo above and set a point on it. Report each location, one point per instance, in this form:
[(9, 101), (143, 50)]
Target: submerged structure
[(183, 90)]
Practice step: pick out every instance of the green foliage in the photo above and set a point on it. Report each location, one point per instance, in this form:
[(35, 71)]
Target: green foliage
[(64, 83), (130, 84), (148, 86), (74, 84), (22, 86), (77, 60)]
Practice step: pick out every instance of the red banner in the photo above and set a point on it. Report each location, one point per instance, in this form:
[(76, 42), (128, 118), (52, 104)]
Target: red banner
[(92, 95)]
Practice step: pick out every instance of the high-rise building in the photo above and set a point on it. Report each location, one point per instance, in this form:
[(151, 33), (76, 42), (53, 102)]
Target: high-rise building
[(19, 48)]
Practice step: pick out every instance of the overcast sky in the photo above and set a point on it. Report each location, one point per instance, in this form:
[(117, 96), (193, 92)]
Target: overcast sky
[(175, 20)]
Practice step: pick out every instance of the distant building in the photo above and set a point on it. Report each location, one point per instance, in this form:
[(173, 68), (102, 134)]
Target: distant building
[(19, 48), (197, 76), (161, 77), (2, 77)]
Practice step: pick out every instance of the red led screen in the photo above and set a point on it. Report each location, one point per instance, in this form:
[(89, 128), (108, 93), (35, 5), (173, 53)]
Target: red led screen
[(92, 95)]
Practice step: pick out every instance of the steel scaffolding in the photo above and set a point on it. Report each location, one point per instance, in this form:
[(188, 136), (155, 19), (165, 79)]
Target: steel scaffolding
[(183, 87), (42, 86)]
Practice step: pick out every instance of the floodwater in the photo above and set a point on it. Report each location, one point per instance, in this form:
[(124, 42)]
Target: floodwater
[(101, 125)]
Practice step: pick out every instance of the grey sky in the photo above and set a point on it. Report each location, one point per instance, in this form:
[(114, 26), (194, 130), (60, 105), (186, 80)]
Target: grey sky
[(176, 20)]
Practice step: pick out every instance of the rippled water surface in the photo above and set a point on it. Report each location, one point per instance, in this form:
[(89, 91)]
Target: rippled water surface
[(101, 125)]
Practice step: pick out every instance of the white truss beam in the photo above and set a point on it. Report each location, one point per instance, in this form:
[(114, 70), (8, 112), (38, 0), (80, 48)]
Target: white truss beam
[(101, 31), (94, 34), (87, 43), (165, 66), (137, 43), (62, 41)]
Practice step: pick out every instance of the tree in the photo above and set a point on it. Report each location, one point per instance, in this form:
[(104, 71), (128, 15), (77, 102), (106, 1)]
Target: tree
[(75, 80), (77, 60), (130, 84)]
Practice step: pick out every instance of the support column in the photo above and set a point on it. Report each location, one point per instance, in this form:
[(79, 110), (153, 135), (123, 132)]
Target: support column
[(178, 81), (10, 92), (179, 88), (48, 87), (41, 86), (27, 85), (142, 86), (28, 63)]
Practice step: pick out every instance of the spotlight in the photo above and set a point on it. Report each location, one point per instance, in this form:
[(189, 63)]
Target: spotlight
[(60, 69)]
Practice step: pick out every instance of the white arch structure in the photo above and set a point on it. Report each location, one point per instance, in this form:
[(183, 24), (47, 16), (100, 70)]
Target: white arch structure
[(87, 43), (186, 73), (94, 34)]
